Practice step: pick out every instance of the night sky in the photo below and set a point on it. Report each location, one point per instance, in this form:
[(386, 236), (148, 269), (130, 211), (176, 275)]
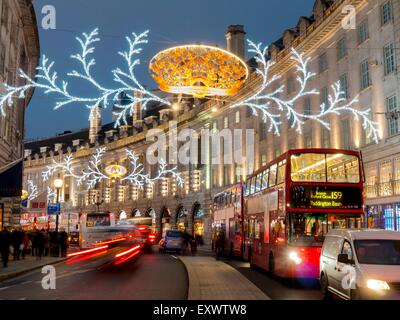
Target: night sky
[(171, 22)]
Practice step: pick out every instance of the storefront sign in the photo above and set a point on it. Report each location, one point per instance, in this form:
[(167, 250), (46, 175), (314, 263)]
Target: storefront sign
[(53, 208)]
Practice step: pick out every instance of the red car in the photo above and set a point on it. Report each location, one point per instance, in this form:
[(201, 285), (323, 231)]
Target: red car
[(148, 237)]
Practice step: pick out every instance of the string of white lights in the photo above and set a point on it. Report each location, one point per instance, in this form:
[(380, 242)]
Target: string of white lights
[(265, 98), (47, 80), (93, 174), (33, 192)]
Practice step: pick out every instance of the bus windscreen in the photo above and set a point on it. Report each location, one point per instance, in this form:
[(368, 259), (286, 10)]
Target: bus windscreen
[(98, 220)]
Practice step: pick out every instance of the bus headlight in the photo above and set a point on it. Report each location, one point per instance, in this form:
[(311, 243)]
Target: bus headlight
[(294, 256), (377, 285)]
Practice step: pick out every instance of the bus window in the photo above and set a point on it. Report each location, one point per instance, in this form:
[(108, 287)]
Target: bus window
[(272, 175), (343, 168), (253, 185), (257, 229), (281, 172), (308, 167), (308, 228), (247, 188), (265, 179), (258, 182)]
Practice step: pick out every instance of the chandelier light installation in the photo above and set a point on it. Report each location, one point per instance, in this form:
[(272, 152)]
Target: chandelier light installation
[(93, 174), (199, 70)]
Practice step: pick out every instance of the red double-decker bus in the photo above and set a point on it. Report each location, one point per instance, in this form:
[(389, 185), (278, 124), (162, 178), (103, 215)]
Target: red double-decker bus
[(292, 203), (228, 220)]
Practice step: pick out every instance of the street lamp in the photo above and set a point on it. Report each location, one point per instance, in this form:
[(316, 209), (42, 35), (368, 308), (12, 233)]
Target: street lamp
[(58, 183)]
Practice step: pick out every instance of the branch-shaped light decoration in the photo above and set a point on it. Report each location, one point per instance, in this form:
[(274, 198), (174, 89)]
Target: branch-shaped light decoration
[(33, 192), (47, 80), (140, 179), (265, 99), (51, 194), (93, 173)]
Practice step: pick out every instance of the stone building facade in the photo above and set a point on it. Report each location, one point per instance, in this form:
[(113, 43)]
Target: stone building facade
[(364, 59), (19, 49)]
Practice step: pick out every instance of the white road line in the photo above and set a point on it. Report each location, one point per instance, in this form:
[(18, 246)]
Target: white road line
[(22, 299), (5, 288), (26, 282), (174, 257)]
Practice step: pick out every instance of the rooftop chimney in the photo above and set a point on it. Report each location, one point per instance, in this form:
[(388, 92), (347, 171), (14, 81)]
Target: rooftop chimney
[(235, 40), (95, 124)]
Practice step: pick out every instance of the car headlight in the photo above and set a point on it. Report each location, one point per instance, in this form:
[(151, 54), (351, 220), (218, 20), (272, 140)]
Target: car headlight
[(377, 285), (295, 257)]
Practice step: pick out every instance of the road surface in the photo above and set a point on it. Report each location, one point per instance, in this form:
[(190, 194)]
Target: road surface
[(149, 277)]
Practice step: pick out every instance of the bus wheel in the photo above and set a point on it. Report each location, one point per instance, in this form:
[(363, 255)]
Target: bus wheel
[(271, 265), (326, 294)]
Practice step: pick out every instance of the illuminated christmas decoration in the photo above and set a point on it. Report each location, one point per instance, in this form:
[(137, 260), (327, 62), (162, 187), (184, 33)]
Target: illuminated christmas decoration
[(47, 81), (51, 194), (199, 70), (32, 191), (264, 101), (93, 174), (116, 171)]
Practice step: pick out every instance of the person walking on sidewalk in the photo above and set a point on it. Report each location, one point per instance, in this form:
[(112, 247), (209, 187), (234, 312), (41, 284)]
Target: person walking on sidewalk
[(193, 246), (63, 243), (17, 242), (5, 242), (219, 245), (25, 243)]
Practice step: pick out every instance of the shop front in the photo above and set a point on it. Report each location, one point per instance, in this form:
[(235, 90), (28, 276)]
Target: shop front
[(386, 216), (198, 223), (165, 222), (182, 221)]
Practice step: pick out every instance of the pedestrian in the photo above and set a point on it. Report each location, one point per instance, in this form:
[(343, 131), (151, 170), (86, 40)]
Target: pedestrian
[(34, 239), (40, 244), (186, 242), (25, 243), (5, 243), (63, 243), (193, 246), (219, 245), (16, 243), (46, 243)]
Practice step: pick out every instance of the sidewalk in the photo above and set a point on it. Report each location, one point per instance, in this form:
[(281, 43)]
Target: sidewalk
[(17, 268), (210, 279)]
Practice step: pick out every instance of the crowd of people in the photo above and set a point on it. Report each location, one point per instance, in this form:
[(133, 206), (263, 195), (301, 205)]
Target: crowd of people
[(38, 243)]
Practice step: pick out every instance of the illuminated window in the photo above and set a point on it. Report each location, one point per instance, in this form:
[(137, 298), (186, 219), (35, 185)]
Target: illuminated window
[(226, 122), (308, 167), (385, 177), (282, 172), (237, 117), (265, 179), (272, 175), (391, 107)]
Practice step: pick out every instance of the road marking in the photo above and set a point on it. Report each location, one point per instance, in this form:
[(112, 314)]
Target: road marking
[(174, 257), (5, 288), (26, 282), (22, 299)]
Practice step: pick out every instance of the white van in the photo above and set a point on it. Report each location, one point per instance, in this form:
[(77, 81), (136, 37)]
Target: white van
[(361, 264)]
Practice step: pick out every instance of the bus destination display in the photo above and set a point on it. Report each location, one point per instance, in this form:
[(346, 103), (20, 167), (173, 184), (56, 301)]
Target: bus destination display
[(311, 197)]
